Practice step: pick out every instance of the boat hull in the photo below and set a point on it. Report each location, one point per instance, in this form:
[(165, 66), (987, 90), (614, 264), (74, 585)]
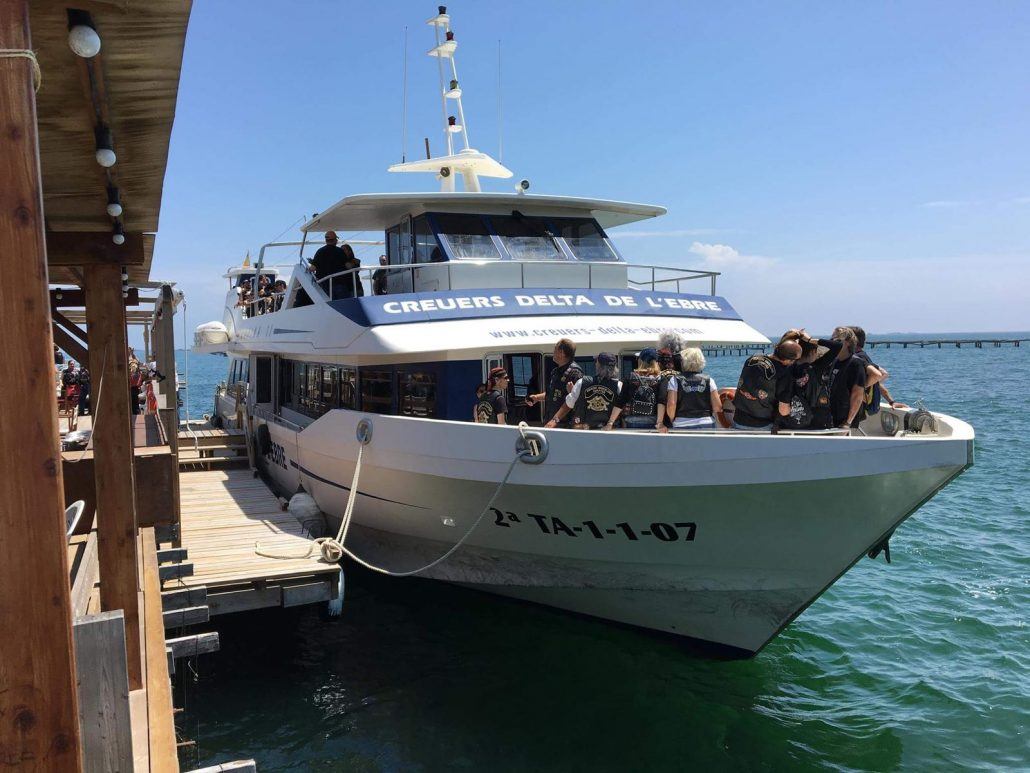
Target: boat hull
[(722, 538)]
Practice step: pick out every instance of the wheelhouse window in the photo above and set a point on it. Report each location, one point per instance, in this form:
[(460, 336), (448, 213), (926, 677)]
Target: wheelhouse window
[(377, 391), (585, 239), (427, 249), (417, 394), (527, 238), (467, 237)]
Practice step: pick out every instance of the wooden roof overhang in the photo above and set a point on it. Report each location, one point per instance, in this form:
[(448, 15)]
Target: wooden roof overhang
[(131, 87)]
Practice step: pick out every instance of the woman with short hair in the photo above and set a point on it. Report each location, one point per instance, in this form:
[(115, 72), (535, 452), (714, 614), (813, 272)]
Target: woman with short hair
[(692, 395)]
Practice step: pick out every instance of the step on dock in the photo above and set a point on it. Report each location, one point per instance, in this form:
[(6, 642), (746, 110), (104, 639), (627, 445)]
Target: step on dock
[(224, 513), (209, 448)]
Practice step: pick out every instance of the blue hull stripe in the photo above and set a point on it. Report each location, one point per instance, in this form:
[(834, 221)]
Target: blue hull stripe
[(346, 488)]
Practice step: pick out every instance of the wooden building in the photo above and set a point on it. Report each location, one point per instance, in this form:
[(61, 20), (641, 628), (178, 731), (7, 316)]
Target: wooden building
[(87, 100)]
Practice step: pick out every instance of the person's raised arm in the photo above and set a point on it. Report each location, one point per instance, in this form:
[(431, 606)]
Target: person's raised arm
[(855, 403)]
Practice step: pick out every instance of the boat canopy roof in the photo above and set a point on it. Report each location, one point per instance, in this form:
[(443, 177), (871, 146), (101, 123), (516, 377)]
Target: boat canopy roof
[(379, 211)]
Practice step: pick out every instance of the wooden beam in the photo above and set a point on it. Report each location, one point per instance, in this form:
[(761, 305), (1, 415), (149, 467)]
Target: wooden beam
[(39, 713), (69, 326), (74, 298), (92, 248), (104, 717), (113, 461), (173, 571), (77, 351), (184, 597), (188, 646), (177, 618), (163, 758)]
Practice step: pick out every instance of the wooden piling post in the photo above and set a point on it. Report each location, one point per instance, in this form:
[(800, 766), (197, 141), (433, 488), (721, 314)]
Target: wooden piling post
[(113, 455), (39, 724)]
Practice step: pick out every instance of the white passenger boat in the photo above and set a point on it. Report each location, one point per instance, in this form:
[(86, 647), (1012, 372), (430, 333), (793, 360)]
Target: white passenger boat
[(721, 536)]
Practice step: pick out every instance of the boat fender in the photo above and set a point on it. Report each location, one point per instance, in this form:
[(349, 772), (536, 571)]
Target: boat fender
[(531, 446), (305, 509), (264, 439)]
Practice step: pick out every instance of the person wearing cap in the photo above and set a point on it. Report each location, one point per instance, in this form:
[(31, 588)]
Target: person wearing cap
[(638, 398), (692, 398), (493, 406), (593, 397), (562, 379)]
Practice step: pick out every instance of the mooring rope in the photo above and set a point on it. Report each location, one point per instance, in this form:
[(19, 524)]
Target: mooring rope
[(332, 549), (25, 53)]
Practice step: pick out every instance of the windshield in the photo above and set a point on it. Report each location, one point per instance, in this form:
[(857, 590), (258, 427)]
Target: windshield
[(467, 237), (585, 238), (527, 238)]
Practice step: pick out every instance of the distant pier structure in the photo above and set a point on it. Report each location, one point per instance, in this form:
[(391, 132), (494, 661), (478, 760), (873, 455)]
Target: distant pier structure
[(926, 343)]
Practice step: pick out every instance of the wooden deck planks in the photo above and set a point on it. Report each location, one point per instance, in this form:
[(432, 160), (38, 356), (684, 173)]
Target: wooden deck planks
[(224, 513)]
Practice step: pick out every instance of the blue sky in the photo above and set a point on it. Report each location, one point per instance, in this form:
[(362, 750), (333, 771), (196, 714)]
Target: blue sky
[(839, 162)]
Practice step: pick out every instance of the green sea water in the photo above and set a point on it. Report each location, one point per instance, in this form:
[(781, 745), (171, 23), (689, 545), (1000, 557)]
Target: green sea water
[(920, 665)]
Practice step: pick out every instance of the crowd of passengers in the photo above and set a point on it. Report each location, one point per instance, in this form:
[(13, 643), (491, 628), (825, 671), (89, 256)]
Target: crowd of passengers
[(804, 384), (328, 260)]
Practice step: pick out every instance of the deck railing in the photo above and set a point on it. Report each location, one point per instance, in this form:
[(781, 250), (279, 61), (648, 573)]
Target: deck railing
[(653, 278)]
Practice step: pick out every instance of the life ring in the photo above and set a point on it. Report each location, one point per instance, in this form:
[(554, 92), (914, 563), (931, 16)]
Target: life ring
[(726, 396)]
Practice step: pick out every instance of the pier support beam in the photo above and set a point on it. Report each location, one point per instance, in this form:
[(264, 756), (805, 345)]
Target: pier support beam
[(113, 455), (39, 726)]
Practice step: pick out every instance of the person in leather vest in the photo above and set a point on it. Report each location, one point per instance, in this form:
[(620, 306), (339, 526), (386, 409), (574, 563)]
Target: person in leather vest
[(563, 377), (692, 396), (668, 367), (765, 388), (493, 406), (638, 399), (593, 397)]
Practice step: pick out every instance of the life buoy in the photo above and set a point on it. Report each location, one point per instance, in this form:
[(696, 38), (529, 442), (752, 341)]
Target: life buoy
[(726, 396)]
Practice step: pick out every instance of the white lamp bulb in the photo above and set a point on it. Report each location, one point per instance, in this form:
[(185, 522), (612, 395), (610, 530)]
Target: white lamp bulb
[(84, 41), (106, 157), (114, 209), (118, 238)]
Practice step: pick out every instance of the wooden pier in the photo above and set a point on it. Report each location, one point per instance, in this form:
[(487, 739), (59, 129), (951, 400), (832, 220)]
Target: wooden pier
[(225, 513)]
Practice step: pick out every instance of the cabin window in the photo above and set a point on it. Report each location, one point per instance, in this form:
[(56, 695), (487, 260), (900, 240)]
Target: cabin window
[(427, 249), (263, 380), (527, 238), (329, 386), (417, 394), (286, 390), (377, 391), (466, 237), (348, 388), (585, 238)]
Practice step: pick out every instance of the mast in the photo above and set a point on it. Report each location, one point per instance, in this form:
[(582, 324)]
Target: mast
[(471, 163)]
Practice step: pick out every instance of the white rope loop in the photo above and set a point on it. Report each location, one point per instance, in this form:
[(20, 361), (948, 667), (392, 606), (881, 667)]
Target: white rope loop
[(332, 549), (25, 53)]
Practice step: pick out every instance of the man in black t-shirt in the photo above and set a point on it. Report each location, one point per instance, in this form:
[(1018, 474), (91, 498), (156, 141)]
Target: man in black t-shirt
[(330, 259), (847, 379)]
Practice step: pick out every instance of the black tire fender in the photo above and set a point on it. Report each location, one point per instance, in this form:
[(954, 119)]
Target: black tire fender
[(264, 439)]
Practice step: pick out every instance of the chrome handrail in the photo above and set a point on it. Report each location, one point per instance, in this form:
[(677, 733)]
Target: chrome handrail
[(365, 274)]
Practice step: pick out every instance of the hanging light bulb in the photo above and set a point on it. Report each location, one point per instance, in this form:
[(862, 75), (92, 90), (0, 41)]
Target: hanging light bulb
[(105, 147), (114, 202), (82, 35), (118, 237)]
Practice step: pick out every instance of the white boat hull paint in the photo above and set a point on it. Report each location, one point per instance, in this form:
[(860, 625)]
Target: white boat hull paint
[(758, 526)]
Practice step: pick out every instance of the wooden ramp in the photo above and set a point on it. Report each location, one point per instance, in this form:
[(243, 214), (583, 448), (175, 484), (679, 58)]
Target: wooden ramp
[(224, 513)]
